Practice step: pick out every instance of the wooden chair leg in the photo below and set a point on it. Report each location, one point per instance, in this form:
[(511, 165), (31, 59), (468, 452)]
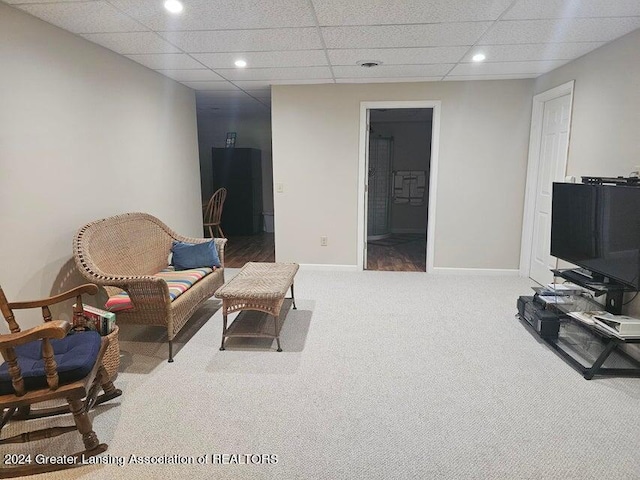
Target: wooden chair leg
[(83, 424), (110, 391)]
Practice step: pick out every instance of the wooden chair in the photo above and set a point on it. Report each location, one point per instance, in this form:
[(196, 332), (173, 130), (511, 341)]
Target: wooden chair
[(213, 212), (43, 363)]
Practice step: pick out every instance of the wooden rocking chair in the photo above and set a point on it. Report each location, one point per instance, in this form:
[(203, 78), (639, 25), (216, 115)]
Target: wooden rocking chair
[(213, 212), (44, 363)]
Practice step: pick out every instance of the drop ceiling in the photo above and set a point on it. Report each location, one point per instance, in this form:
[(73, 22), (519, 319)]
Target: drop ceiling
[(322, 41)]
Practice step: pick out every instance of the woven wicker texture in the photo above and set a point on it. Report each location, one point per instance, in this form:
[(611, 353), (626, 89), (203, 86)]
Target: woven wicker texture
[(258, 286), (260, 281), (122, 252), (111, 359)]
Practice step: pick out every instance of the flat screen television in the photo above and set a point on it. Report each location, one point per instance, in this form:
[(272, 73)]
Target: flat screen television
[(597, 227)]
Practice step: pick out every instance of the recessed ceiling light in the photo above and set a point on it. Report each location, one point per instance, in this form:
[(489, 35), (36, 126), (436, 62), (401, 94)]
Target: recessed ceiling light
[(174, 6), (240, 63), (478, 57)]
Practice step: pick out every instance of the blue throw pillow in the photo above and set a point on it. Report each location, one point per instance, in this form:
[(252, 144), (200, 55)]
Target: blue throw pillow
[(190, 255)]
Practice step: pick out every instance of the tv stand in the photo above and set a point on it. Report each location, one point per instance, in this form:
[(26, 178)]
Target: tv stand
[(614, 292), (583, 345)]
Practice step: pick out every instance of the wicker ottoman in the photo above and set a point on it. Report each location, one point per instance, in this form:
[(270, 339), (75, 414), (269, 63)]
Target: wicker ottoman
[(261, 287)]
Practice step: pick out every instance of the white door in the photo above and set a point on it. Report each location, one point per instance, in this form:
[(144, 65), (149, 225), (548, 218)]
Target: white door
[(554, 143), (366, 186)]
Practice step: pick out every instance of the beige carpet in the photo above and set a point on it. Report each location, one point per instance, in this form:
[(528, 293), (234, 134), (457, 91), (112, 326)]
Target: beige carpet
[(384, 375)]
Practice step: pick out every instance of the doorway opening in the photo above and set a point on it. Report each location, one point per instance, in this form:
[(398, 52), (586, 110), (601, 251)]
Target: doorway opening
[(398, 170)]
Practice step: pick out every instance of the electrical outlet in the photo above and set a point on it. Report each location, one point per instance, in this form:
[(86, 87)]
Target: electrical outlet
[(324, 241), (279, 187)]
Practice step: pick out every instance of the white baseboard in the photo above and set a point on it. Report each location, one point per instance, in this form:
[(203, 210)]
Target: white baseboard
[(476, 271), (329, 267)]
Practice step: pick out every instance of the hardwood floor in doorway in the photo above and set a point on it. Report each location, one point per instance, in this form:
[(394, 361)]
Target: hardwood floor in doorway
[(249, 248), (398, 253)]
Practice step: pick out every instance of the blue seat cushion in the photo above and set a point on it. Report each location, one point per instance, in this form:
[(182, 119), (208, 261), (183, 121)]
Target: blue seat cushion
[(75, 355)]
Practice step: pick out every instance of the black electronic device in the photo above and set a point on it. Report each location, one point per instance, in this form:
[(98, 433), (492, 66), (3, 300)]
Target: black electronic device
[(545, 322), (612, 180), (522, 301), (597, 227)]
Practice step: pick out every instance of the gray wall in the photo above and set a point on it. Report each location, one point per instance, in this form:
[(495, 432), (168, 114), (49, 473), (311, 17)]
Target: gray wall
[(480, 186), (84, 133)]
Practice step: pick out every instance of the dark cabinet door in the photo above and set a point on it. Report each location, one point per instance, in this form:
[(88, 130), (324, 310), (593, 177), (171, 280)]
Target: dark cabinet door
[(239, 170)]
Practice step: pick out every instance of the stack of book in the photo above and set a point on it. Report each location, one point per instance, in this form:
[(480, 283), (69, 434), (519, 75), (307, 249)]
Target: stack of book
[(99, 320)]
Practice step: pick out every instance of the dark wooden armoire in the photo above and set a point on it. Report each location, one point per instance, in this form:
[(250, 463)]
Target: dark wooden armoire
[(239, 170)]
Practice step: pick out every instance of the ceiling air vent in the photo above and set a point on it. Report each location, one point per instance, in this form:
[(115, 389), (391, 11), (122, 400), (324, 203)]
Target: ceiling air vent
[(369, 63)]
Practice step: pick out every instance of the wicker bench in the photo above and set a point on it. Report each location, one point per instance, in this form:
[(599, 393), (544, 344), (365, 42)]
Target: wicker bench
[(261, 287), (124, 252)]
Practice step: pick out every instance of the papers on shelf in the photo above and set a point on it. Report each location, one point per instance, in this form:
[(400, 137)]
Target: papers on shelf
[(586, 317), (564, 288), (619, 326), (556, 299)]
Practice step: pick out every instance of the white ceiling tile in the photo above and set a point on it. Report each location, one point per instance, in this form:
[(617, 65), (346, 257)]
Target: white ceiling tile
[(221, 14), (223, 85), (85, 17), (398, 56), (388, 71), (295, 73), (166, 61), (559, 31), (489, 77), (404, 35), (383, 12), (415, 40), (302, 81), (537, 9), (529, 52), (287, 58), (389, 80), (14, 2), (126, 43), (246, 40), (506, 68), (203, 75)]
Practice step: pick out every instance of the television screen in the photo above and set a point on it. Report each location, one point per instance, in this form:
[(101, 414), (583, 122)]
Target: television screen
[(598, 228)]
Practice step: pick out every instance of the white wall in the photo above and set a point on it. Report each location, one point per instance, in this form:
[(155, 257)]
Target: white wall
[(482, 168), (84, 134), (605, 128), (252, 132)]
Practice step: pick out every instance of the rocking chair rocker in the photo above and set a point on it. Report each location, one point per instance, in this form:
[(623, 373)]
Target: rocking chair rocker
[(44, 363)]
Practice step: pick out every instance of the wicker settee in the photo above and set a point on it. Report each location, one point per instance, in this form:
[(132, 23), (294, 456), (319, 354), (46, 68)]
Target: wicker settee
[(124, 252)]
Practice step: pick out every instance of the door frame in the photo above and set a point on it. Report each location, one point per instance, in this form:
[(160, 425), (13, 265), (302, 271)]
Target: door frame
[(362, 177), (533, 165)]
